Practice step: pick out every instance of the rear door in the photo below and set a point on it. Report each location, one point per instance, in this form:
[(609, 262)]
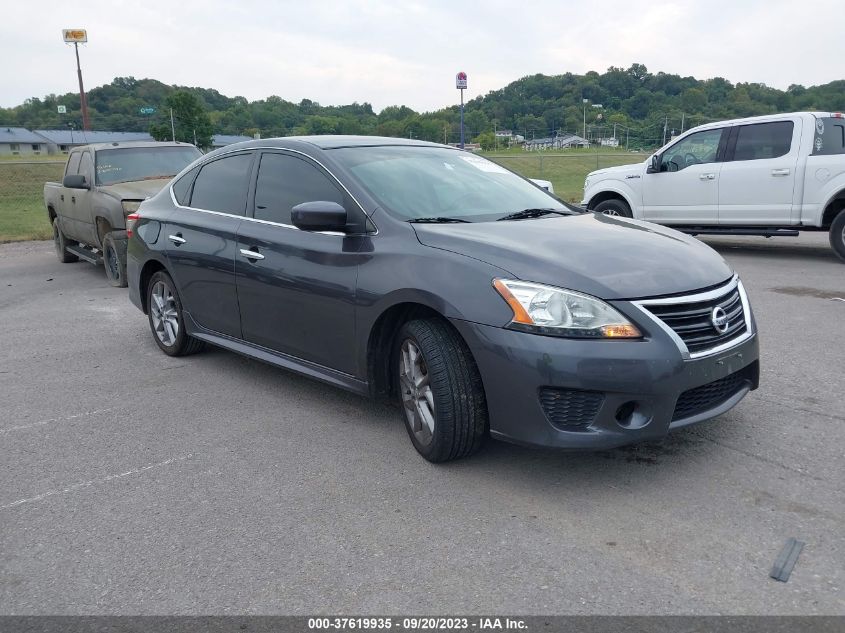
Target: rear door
[(757, 182), (686, 189), (296, 289), (201, 240)]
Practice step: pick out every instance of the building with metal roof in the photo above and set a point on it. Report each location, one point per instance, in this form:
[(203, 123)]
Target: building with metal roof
[(221, 140), (563, 141), (61, 141), (18, 141)]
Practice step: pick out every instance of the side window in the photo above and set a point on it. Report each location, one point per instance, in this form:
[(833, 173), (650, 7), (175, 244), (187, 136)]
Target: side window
[(695, 149), (286, 181), (73, 164), (86, 167), (763, 140), (830, 136), (222, 184), (182, 187)]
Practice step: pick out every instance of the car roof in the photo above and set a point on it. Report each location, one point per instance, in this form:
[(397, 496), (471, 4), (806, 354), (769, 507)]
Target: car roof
[(329, 141), (118, 144)]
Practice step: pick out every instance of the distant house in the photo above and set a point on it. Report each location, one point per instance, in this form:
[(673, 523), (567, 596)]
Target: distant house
[(62, 141), (563, 141), (221, 140), (18, 141)]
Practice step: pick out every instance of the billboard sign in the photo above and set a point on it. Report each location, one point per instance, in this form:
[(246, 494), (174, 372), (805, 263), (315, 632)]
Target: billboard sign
[(461, 80), (79, 36)]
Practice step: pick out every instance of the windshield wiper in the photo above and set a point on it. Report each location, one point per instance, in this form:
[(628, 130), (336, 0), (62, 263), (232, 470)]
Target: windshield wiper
[(435, 220), (532, 213)]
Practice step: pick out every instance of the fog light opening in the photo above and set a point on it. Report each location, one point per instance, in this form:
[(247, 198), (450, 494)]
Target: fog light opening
[(625, 413)]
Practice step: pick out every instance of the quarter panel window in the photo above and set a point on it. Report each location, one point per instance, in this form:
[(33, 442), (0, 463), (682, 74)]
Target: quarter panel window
[(763, 140), (285, 181), (73, 164), (695, 149), (829, 137), (182, 187), (222, 184)]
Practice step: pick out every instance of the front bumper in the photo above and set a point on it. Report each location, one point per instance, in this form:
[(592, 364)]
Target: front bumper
[(628, 391)]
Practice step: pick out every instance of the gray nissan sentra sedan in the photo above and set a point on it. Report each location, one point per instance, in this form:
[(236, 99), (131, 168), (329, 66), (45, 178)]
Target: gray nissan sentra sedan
[(418, 272)]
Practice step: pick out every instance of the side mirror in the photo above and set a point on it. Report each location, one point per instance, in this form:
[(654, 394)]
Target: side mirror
[(76, 181), (320, 215), (654, 165)]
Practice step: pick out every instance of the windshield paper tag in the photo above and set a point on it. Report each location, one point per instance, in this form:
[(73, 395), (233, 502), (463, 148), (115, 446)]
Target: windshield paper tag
[(484, 165)]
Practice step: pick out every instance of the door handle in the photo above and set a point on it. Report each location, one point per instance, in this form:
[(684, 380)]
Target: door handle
[(177, 239), (251, 254), (62, 197), (73, 199), (781, 172), (707, 176)]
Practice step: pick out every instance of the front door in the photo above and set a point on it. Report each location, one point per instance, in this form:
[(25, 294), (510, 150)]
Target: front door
[(201, 243), (686, 189), (296, 288)]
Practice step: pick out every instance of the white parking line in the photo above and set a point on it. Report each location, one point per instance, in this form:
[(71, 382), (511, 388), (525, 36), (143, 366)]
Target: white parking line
[(50, 421), (91, 482)]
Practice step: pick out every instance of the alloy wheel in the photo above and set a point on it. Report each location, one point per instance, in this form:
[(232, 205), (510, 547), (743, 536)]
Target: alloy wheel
[(164, 314), (417, 396)]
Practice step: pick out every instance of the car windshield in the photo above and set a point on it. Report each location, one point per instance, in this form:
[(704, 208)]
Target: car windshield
[(128, 164), (435, 183)]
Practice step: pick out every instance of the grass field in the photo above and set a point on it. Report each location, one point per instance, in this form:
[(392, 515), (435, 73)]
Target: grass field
[(565, 169), (22, 213)]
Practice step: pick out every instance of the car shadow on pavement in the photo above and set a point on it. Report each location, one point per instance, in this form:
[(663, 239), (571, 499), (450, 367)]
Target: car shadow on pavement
[(775, 248)]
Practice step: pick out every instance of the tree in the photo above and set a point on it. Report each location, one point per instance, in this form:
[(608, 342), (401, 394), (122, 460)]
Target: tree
[(190, 119)]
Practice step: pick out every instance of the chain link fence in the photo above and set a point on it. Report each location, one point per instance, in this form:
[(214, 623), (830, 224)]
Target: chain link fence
[(565, 171), (22, 212)]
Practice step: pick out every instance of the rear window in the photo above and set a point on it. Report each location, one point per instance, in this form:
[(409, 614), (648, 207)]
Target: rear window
[(830, 136), (129, 164), (763, 140)]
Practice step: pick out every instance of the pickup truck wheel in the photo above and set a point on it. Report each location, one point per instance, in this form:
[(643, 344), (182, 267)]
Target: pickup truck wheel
[(837, 235), (440, 391), (165, 314), (114, 260), (60, 242), (614, 207)]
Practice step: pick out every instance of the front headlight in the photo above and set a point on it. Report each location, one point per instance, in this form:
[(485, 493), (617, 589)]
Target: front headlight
[(553, 311), (130, 206)]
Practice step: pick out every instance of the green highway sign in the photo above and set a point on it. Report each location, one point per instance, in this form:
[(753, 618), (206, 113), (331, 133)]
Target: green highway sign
[(147, 110)]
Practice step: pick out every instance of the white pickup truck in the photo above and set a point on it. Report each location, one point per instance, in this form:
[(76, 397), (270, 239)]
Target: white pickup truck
[(769, 175)]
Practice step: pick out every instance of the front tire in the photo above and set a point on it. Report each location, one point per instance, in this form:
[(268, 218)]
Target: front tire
[(440, 391), (114, 260), (837, 235), (164, 309), (615, 207), (60, 242)]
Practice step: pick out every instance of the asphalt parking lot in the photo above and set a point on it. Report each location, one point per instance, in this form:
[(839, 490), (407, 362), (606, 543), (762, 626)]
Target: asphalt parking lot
[(135, 483)]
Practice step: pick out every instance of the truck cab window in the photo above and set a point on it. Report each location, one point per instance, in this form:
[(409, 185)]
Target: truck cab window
[(763, 140), (73, 164), (695, 149)]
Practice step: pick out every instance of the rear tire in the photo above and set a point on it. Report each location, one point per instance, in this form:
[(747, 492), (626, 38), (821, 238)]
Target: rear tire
[(837, 235), (114, 260), (440, 390), (60, 242), (614, 206), (164, 309)]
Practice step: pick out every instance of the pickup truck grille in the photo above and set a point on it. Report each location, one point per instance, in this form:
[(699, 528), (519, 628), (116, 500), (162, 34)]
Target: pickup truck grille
[(692, 321)]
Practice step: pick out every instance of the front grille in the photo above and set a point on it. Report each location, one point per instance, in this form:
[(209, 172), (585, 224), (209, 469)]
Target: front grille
[(692, 320), (705, 397), (570, 409)]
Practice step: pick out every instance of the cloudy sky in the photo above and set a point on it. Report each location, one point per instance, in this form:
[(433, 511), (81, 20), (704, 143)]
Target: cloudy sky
[(398, 52)]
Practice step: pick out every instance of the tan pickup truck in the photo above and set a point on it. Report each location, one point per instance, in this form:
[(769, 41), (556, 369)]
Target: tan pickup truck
[(102, 184)]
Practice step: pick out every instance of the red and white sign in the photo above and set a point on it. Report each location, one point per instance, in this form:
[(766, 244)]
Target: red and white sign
[(461, 80)]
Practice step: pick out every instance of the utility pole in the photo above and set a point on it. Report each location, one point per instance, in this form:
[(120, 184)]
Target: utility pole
[(683, 115), (77, 37), (584, 101), (665, 126), (172, 126)]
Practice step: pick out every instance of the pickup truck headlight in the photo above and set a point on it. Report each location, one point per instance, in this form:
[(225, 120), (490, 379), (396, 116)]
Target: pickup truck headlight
[(553, 311), (130, 206)]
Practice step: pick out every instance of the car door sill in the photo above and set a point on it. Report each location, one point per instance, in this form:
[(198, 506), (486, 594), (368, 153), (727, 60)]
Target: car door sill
[(298, 365)]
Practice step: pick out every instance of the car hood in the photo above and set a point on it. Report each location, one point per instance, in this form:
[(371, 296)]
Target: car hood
[(609, 172), (136, 190), (604, 256)]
